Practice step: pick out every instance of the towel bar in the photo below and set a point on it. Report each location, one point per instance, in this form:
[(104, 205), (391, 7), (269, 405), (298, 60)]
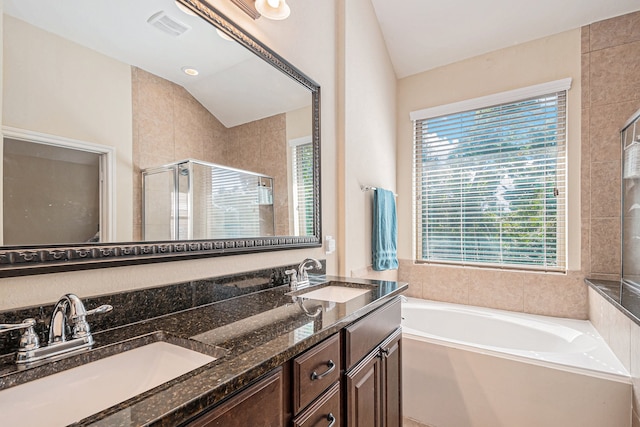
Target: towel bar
[(366, 188)]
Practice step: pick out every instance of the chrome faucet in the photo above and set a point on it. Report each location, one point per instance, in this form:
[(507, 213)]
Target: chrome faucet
[(70, 316), (300, 279), (68, 331)]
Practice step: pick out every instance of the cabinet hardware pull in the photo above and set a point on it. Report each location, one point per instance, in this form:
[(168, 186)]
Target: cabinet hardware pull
[(384, 351), (331, 419), (316, 376)]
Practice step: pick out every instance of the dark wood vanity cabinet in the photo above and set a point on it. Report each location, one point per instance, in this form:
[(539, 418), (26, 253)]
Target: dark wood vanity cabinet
[(352, 379), (373, 388), (259, 405), (373, 384), (391, 372)]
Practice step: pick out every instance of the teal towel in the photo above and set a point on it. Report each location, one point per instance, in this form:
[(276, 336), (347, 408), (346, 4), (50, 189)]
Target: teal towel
[(385, 231)]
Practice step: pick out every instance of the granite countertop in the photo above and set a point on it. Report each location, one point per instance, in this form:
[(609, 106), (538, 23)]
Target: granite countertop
[(251, 334)]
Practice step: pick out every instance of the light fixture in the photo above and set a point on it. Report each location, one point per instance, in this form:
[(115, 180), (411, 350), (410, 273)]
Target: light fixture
[(273, 9), (190, 71)]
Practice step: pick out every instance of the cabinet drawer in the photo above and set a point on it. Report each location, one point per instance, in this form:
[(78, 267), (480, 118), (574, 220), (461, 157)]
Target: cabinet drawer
[(324, 412), (365, 334), (314, 371)]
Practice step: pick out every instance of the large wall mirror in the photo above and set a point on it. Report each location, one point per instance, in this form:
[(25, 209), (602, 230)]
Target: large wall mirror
[(149, 130)]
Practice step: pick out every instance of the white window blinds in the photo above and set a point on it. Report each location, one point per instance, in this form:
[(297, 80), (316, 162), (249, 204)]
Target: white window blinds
[(490, 184), (302, 166)]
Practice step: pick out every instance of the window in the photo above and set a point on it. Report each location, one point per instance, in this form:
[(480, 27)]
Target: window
[(302, 188), (490, 180)]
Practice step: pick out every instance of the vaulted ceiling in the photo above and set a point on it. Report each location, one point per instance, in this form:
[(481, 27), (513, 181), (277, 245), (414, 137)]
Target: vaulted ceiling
[(425, 34)]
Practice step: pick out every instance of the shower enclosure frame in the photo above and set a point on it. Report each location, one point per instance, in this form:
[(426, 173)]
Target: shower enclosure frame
[(182, 220), (630, 171)]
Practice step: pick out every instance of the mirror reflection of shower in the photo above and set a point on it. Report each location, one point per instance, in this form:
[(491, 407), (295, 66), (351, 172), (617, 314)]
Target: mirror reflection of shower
[(192, 199)]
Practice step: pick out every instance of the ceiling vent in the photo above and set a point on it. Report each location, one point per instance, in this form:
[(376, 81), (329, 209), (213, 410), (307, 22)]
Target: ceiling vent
[(168, 24)]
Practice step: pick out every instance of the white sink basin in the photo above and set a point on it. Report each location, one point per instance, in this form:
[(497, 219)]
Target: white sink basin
[(333, 293), (69, 396)]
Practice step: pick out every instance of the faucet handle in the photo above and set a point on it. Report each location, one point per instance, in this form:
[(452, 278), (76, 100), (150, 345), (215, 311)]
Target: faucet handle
[(81, 326), (99, 310), (26, 324), (28, 340)]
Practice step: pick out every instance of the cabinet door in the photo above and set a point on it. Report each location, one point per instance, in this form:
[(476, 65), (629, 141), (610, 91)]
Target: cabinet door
[(391, 381), (259, 405), (363, 392)]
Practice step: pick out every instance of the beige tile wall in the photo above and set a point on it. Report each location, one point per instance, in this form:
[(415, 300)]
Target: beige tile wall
[(611, 83), (611, 94), (610, 59), (537, 293), (170, 125), (261, 146)]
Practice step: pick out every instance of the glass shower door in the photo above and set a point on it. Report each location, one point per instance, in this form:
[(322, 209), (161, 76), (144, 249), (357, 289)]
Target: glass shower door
[(159, 204)]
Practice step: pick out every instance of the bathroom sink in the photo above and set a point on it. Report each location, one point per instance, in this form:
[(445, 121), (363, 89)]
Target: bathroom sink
[(77, 393), (334, 293)]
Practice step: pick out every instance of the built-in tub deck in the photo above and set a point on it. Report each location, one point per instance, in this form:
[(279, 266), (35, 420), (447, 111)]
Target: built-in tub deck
[(472, 366)]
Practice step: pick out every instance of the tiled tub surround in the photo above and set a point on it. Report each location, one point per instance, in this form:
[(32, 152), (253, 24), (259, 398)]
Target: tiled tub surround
[(258, 330), (614, 310), (547, 294)]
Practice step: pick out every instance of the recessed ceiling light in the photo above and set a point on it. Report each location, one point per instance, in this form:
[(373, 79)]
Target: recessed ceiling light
[(223, 35), (190, 71)]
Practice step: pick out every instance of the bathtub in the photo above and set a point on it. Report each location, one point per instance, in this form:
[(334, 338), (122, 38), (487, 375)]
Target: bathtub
[(467, 366)]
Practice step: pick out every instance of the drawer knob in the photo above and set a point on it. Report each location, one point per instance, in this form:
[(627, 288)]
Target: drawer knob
[(331, 419), (330, 364)]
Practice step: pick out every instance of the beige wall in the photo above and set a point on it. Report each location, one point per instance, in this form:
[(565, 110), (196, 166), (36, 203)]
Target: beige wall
[(82, 95), (299, 123), (312, 50), (539, 61), (367, 137)]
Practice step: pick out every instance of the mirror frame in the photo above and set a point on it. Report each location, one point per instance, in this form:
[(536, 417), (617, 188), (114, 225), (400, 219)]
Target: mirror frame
[(41, 259)]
